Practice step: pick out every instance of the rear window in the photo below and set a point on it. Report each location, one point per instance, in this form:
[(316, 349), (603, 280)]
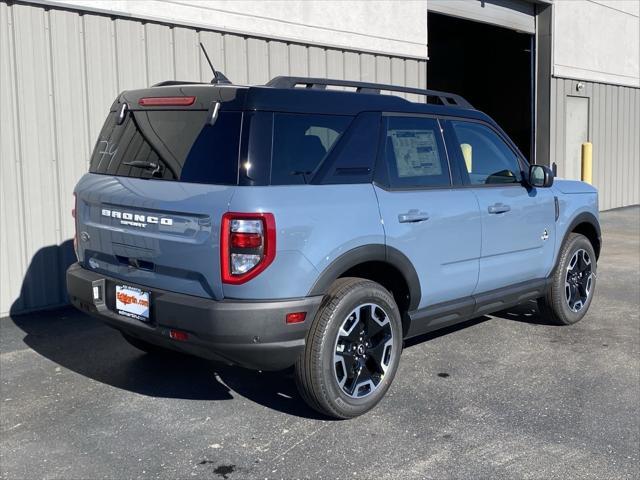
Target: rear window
[(300, 144), (170, 145)]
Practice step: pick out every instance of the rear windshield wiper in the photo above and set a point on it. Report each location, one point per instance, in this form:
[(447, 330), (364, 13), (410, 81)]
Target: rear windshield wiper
[(147, 165), (158, 170)]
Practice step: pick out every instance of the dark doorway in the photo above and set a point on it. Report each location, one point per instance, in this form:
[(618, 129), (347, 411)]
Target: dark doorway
[(490, 66)]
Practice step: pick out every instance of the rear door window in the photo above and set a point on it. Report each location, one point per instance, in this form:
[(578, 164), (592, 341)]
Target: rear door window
[(415, 153), (170, 145), (300, 143)]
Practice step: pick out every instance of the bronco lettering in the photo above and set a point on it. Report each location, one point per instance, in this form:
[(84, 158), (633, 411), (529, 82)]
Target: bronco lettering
[(139, 220)]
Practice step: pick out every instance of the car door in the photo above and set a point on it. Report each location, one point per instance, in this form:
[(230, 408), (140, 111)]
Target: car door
[(434, 224), (518, 221)]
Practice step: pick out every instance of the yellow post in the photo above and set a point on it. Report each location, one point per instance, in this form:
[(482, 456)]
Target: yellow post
[(587, 162)]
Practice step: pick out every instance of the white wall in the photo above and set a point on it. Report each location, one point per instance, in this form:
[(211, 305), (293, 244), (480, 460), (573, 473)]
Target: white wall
[(597, 40), (384, 26)]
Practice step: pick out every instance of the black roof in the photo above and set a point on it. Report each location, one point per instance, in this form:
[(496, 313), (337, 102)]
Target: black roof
[(310, 95)]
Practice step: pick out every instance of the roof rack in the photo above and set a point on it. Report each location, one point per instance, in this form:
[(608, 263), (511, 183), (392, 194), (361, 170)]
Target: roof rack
[(443, 98), (218, 79), (168, 83)]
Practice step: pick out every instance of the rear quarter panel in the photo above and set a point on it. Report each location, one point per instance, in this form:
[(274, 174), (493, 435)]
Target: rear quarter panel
[(315, 224)]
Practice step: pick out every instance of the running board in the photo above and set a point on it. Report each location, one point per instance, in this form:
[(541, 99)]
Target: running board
[(450, 313)]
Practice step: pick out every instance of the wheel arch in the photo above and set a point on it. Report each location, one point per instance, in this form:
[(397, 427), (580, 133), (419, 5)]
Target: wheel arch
[(586, 224), (380, 263)]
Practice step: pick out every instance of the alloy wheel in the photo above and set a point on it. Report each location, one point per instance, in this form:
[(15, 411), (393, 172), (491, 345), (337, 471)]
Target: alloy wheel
[(363, 350), (578, 281)]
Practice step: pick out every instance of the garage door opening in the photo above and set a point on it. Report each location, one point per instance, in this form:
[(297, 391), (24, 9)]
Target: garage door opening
[(490, 66)]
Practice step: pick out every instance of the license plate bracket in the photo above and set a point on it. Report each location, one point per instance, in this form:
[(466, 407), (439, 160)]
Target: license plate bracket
[(133, 302)]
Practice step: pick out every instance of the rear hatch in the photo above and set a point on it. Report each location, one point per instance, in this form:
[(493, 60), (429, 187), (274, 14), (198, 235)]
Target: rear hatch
[(161, 176)]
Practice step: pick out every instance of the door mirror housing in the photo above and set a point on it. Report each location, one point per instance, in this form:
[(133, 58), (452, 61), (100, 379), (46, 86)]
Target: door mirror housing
[(540, 176)]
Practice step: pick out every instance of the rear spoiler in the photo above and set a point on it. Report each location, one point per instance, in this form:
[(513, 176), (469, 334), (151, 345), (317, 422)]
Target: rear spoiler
[(173, 95)]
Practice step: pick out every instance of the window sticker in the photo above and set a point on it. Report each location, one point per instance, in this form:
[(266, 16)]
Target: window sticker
[(416, 153)]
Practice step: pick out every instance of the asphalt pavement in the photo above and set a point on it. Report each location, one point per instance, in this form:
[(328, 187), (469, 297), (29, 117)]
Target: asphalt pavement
[(506, 396)]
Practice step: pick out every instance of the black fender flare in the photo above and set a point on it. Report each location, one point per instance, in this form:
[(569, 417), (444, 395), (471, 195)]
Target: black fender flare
[(371, 253), (584, 217)]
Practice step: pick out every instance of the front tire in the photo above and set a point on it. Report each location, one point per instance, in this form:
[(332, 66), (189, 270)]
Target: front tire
[(352, 349), (573, 283)]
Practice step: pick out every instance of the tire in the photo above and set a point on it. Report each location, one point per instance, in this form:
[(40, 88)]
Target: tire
[(352, 349), (569, 296), (147, 347)]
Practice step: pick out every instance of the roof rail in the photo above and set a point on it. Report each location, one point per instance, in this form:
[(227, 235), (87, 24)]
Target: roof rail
[(219, 79), (168, 83), (443, 98)]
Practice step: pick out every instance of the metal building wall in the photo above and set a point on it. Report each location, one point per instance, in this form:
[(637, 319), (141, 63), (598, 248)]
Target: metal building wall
[(614, 126), (60, 71)]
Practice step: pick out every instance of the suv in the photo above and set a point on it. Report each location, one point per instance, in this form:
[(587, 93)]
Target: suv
[(272, 226)]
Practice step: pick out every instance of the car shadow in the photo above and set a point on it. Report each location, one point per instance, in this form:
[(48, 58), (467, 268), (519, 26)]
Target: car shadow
[(444, 331), (526, 313), (86, 346)]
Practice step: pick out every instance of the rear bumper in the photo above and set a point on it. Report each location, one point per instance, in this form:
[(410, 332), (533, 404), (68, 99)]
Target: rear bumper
[(251, 334)]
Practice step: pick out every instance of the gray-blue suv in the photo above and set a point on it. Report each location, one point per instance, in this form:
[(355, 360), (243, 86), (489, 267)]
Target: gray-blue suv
[(318, 224)]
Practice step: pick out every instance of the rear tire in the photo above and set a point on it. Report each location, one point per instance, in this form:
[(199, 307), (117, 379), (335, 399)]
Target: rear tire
[(147, 347), (352, 349), (573, 283)]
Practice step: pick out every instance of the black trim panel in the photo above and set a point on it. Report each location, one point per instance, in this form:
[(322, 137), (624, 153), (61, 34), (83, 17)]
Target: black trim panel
[(446, 314)]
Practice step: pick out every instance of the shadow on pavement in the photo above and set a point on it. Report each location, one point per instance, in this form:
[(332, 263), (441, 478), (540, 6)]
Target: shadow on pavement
[(444, 331), (85, 346), (527, 313)]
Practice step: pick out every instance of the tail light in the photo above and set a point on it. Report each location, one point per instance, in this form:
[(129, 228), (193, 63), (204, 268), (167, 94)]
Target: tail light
[(247, 245), (74, 214)]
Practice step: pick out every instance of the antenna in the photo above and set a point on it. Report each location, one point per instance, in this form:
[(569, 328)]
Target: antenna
[(206, 55), (218, 77)]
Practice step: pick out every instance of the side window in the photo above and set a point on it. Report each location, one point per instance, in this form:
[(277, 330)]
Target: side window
[(300, 143), (488, 159), (415, 153)]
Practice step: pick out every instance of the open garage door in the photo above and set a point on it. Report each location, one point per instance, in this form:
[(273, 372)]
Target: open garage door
[(492, 67), (514, 14)]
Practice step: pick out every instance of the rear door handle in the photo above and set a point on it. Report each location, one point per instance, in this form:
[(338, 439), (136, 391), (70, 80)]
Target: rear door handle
[(413, 216), (499, 208)]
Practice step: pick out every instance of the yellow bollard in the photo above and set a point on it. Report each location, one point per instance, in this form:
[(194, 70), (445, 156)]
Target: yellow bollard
[(587, 162)]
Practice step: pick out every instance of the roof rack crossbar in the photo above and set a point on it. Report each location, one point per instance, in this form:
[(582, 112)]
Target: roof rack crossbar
[(448, 99)]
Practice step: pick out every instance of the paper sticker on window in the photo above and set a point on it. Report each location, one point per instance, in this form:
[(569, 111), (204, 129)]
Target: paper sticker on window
[(416, 153)]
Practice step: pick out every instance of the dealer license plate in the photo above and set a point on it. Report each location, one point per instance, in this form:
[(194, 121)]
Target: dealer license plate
[(132, 302)]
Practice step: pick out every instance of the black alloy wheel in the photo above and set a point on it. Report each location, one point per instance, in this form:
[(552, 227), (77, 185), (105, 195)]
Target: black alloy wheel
[(363, 350)]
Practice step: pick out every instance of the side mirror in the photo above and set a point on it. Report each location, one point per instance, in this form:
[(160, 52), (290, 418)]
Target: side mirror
[(540, 176)]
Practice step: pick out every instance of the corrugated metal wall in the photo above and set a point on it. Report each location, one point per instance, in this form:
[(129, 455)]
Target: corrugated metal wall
[(60, 71), (614, 130)]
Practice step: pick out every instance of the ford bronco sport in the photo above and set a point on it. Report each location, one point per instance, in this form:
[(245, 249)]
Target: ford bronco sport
[(272, 226)]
